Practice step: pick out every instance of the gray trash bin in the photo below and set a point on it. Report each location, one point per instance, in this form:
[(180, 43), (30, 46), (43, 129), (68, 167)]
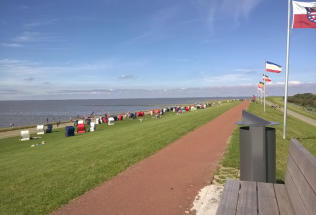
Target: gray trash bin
[(257, 149)]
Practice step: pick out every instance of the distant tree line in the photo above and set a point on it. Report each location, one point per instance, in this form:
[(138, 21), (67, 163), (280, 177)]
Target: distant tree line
[(305, 99)]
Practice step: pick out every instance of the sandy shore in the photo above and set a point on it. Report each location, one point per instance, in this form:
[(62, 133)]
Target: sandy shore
[(14, 133)]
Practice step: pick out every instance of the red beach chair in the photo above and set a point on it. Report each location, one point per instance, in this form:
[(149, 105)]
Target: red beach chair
[(81, 128), (120, 117)]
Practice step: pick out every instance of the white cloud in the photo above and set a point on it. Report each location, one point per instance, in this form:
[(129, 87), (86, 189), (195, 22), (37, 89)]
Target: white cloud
[(33, 36), (12, 45), (247, 70), (97, 93), (126, 77), (228, 79), (290, 83), (225, 9), (17, 73), (26, 36), (40, 23), (156, 25)]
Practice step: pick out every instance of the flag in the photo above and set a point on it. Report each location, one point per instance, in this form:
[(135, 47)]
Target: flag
[(266, 78), (272, 67), (304, 14), (260, 85)]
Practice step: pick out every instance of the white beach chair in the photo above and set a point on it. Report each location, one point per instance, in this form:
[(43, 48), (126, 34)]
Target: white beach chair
[(97, 121), (40, 129), (25, 135), (92, 127), (111, 121)]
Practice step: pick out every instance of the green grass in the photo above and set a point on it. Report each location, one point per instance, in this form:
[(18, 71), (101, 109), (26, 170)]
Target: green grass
[(40, 179), (294, 107), (298, 129)]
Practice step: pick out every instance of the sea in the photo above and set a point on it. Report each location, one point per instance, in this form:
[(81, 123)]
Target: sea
[(32, 112)]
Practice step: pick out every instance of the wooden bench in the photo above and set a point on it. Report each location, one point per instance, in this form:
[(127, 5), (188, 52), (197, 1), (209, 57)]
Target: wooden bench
[(296, 196)]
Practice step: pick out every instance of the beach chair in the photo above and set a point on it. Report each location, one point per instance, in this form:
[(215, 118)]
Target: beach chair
[(104, 119), (92, 127), (69, 131), (97, 121), (40, 129), (25, 135), (81, 128), (120, 117), (49, 128), (111, 121)]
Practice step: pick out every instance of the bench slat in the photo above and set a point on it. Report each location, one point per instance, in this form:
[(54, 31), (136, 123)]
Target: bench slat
[(247, 201), (305, 161), (295, 198), (283, 200), (267, 204), (303, 188), (228, 203)]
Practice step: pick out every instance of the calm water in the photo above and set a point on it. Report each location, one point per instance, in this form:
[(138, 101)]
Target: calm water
[(35, 112)]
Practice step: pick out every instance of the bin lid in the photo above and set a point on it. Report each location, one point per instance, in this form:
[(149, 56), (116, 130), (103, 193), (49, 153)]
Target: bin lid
[(253, 120)]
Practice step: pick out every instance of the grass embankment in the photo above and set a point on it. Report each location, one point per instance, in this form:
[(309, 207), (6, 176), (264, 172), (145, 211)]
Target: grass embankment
[(305, 133), (294, 107), (40, 179)]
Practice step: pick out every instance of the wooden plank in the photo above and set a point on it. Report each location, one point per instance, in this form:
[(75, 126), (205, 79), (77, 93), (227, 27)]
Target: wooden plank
[(267, 204), (228, 203), (284, 204), (294, 196), (247, 200), (305, 161), (303, 187)]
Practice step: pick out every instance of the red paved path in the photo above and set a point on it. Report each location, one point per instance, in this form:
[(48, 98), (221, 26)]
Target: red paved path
[(166, 182)]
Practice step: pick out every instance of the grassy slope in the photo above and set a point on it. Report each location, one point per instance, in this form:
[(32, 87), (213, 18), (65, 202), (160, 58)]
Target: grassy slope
[(299, 109), (40, 179), (304, 132)]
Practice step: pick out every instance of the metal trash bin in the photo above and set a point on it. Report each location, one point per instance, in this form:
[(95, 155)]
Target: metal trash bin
[(257, 149)]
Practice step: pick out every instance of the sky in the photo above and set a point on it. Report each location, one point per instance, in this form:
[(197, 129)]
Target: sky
[(134, 49)]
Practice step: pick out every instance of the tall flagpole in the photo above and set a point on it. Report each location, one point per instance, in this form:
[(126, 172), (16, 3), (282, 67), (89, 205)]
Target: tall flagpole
[(287, 67), (264, 93)]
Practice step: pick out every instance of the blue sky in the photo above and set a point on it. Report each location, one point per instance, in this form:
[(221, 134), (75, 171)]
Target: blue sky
[(121, 49)]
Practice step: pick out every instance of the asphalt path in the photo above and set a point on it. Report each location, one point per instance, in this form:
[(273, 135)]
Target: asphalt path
[(296, 115)]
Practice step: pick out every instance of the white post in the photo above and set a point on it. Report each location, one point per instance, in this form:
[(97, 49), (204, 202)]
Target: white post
[(264, 93), (287, 67)]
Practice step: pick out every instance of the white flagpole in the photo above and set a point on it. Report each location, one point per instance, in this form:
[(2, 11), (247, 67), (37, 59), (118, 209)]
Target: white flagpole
[(287, 67), (264, 93)]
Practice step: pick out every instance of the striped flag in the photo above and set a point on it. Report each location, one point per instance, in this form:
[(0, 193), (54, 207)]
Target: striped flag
[(266, 78), (272, 67)]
